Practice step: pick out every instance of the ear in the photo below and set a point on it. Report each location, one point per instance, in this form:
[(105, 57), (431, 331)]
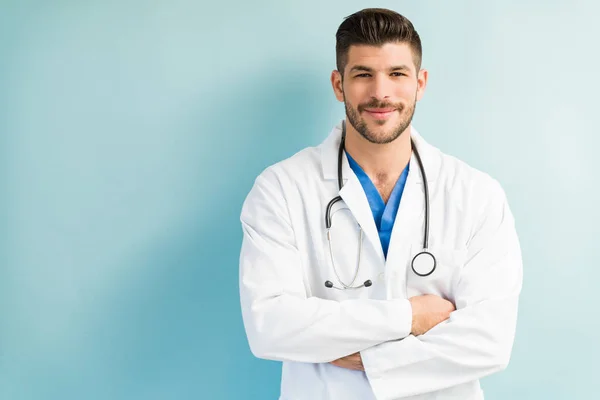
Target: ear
[(337, 84), (421, 83)]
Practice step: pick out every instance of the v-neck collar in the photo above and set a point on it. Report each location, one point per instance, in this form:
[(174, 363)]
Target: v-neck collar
[(384, 214)]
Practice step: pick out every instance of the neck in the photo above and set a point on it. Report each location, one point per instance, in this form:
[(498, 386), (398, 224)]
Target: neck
[(381, 162)]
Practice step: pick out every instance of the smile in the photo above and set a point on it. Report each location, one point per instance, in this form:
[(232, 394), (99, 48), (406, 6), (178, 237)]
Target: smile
[(380, 113)]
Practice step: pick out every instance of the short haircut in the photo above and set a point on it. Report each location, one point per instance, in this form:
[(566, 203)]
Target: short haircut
[(375, 27)]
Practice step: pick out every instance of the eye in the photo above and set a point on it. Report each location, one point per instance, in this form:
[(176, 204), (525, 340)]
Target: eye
[(363, 75), (398, 74)]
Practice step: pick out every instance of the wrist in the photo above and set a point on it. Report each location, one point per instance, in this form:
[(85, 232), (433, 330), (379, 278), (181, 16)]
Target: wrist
[(414, 327)]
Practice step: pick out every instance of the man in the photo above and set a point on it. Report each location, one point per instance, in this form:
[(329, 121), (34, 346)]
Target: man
[(332, 288)]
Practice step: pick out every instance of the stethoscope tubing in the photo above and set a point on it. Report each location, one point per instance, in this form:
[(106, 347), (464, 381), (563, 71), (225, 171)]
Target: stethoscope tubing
[(425, 251)]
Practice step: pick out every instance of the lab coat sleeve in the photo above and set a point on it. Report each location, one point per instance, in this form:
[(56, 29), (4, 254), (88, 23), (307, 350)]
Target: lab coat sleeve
[(282, 323), (477, 339)]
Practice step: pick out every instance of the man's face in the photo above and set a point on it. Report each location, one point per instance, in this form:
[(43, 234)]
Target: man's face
[(380, 89)]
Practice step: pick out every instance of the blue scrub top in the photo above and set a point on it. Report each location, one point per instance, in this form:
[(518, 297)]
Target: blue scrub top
[(384, 214)]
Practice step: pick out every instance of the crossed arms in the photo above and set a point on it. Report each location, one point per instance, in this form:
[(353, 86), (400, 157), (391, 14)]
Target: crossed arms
[(406, 346)]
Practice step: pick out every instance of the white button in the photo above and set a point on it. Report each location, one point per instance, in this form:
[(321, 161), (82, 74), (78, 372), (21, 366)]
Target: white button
[(381, 277)]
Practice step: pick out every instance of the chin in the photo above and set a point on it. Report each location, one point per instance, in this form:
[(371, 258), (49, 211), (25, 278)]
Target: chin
[(386, 134)]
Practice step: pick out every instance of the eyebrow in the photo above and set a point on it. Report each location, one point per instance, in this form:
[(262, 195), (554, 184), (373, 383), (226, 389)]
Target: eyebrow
[(368, 69)]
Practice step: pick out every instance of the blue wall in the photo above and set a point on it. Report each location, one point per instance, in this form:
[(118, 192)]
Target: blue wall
[(132, 130)]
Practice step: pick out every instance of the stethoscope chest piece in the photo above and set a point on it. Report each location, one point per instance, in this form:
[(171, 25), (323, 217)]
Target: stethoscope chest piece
[(424, 263)]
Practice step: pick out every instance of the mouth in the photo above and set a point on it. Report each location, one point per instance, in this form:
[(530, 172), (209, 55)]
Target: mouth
[(380, 113)]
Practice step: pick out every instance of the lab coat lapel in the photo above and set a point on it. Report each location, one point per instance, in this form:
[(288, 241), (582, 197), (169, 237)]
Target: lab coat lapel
[(355, 198), (352, 192), (409, 224), (410, 217)]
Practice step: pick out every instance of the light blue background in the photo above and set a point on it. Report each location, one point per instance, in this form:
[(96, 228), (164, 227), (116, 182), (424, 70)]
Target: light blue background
[(131, 132)]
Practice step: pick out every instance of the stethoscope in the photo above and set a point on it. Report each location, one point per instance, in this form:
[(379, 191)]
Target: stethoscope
[(423, 264)]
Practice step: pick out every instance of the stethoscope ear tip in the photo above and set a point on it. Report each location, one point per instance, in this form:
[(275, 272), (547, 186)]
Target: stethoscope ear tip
[(328, 284), (368, 283)]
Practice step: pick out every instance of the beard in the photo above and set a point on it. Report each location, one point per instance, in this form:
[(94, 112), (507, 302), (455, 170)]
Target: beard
[(358, 123)]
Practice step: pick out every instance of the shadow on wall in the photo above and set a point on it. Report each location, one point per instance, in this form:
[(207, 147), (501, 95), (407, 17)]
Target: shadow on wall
[(175, 325)]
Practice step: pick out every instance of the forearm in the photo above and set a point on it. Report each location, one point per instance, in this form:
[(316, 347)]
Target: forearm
[(477, 339), (282, 322), (473, 343), (288, 328)]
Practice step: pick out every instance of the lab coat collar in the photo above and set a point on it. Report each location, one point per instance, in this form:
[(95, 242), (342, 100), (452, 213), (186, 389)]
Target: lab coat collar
[(354, 195), (329, 157)]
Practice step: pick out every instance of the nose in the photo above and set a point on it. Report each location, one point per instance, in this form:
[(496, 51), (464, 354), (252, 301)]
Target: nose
[(380, 87)]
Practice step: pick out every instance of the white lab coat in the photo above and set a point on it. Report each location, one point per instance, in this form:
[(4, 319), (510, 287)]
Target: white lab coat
[(289, 315)]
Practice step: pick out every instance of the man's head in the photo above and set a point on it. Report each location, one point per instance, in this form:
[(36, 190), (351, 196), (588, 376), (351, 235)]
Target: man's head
[(378, 76)]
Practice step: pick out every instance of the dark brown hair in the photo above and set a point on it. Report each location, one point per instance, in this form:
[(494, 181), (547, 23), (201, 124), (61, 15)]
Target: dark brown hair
[(375, 27)]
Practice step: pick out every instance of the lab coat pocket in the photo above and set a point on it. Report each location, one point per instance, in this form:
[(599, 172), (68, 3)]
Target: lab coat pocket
[(449, 263)]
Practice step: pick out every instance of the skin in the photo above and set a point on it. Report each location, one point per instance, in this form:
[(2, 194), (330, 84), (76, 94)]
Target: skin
[(380, 144)]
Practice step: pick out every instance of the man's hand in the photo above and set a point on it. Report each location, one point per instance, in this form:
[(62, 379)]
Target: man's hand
[(428, 311), (353, 361)]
